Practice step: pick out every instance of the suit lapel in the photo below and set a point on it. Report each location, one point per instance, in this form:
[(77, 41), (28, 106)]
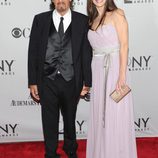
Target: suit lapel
[(47, 25), (74, 35)]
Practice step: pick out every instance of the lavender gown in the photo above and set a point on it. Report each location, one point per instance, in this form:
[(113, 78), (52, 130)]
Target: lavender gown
[(111, 125)]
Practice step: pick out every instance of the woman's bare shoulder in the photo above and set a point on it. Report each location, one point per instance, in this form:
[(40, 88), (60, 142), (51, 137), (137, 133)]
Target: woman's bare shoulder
[(119, 15)]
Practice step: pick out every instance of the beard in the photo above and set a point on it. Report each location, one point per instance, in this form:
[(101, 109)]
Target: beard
[(61, 7)]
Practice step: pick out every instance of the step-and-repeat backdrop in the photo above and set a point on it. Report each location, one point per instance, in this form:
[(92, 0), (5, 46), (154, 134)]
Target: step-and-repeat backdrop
[(20, 116)]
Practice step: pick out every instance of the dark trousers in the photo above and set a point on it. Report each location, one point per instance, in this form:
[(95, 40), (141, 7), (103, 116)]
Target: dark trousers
[(59, 95)]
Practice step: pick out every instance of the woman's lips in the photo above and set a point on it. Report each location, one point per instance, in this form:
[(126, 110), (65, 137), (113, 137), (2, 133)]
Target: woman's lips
[(99, 1)]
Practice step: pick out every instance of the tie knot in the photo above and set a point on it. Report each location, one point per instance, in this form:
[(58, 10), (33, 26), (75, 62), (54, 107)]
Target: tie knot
[(61, 27), (61, 18)]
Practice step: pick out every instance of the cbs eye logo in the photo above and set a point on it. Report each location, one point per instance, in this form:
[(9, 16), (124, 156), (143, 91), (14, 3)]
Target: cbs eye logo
[(17, 32)]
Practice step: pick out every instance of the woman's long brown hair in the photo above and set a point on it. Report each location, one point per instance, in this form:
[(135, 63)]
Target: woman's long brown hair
[(93, 13)]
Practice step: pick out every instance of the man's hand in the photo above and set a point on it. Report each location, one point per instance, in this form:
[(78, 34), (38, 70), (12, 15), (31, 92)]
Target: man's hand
[(34, 92), (84, 91)]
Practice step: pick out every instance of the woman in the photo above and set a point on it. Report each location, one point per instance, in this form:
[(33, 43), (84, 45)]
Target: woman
[(111, 128)]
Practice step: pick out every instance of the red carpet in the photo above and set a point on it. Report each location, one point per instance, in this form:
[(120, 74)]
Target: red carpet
[(147, 148)]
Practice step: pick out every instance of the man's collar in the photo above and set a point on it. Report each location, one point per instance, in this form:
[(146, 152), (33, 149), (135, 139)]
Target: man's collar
[(68, 13)]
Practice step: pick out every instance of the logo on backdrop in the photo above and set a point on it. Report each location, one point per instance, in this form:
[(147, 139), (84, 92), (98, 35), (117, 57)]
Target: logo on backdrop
[(138, 1), (142, 124), (80, 127), (18, 32), (5, 2), (7, 67), (47, 1), (75, 2), (78, 2), (28, 102), (9, 130), (140, 63)]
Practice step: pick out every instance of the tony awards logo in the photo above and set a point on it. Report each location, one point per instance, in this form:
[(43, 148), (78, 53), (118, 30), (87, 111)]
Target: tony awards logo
[(142, 124), (78, 2), (139, 63), (6, 67), (5, 2), (80, 127), (9, 130), (138, 1)]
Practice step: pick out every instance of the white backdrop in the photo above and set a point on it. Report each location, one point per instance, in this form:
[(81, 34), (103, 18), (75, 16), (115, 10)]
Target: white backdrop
[(20, 116)]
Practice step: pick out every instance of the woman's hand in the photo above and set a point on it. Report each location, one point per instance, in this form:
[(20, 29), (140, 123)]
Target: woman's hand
[(121, 83)]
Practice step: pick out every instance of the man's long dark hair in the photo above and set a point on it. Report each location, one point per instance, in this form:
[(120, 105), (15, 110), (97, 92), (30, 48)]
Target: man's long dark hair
[(93, 13), (52, 6)]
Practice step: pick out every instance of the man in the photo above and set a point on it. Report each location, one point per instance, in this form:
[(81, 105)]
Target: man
[(59, 68)]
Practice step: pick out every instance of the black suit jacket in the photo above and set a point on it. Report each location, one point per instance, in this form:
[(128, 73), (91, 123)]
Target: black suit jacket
[(81, 50)]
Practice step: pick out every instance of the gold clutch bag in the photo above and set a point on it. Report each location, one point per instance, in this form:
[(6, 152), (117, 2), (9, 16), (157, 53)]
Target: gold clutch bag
[(118, 95)]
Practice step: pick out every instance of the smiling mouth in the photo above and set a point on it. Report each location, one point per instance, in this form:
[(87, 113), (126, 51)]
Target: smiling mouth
[(99, 1)]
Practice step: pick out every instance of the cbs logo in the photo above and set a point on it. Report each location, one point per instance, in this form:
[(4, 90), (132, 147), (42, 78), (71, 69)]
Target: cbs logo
[(17, 32)]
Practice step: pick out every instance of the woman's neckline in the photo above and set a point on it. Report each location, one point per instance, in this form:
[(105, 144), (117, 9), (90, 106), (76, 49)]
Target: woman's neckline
[(104, 25)]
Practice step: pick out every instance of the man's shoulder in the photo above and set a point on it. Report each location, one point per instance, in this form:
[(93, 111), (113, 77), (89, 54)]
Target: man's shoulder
[(43, 14), (79, 15)]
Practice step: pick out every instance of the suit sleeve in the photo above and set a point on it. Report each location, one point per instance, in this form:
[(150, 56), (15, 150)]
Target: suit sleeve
[(33, 53), (86, 58)]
